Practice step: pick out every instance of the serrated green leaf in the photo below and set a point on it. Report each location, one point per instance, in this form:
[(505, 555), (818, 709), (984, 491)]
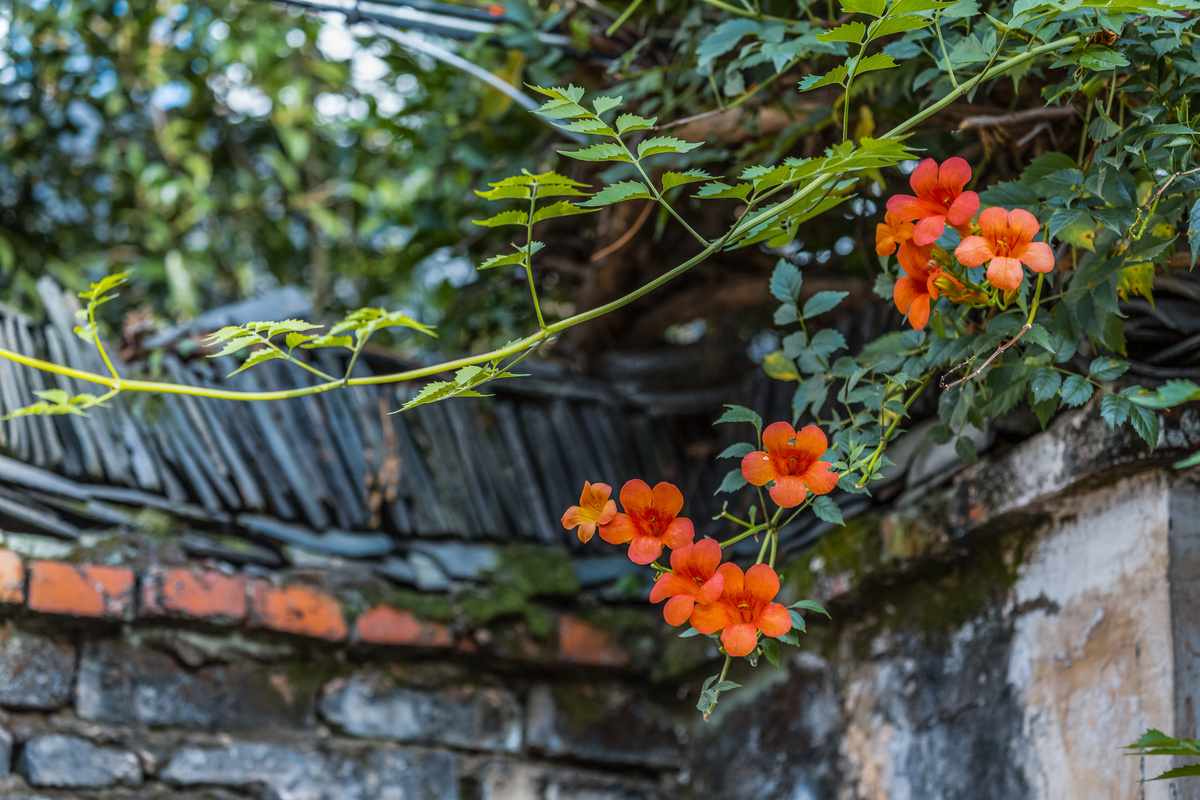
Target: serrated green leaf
[(672, 179), (618, 192), (898, 24), (234, 345), (604, 151), (602, 104), (719, 189), (513, 216), (562, 208), (1145, 422), (1114, 409), (1038, 335), (733, 481), (1045, 384), (852, 32), (1107, 369), (827, 510), (664, 144), (735, 413), (837, 75), (1076, 390), (916, 6), (256, 358), (821, 302), (964, 447), (1193, 232), (329, 341), (810, 605), (873, 8), (504, 260), (786, 281), (592, 127), (294, 340), (739, 450), (770, 650), (632, 122), (876, 62)]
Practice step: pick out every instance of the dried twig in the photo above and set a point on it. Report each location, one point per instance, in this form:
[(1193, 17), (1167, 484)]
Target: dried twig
[(626, 236), (984, 365), (1017, 117)]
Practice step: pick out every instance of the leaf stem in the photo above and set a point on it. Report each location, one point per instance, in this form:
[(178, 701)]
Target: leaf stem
[(537, 307)]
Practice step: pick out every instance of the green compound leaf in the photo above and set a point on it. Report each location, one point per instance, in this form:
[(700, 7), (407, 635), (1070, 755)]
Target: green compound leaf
[(618, 192)]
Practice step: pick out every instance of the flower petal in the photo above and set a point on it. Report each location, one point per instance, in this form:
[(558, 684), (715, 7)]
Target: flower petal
[(774, 620), (906, 207), (885, 240), (914, 260), (644, 549), (777, 435), (762, 583), (1005, 273), (973, 251), (929, 229), (758, 468), (1023, 226), (993, 224), (918, 312), (678, 609), (679, 533), (711, 617), (573, 516), (740, 640), (1038, 256), (906, 290), (619, 531), (586, 531), (735, 579), (788, 491), (711, 590), (706, 556), (954, 174), (819, 479), (607, 514), (963, 208), (924, 179), (668, 500), (669, 585), (812, 441), (636, 496)]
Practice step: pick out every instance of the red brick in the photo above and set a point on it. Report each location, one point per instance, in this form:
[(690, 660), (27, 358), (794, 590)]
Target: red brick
[(301, 610), (386, 625), (81, 590), (12, 578), (581, 643), (194, 593)]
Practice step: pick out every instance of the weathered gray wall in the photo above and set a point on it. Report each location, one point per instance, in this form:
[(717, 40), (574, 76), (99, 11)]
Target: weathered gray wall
[(997, 636)]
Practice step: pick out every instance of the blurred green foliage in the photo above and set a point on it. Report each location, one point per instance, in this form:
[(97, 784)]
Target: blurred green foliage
[(217, 148)]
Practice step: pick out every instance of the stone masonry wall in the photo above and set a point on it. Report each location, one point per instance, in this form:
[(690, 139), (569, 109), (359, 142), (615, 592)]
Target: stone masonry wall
[(997, 635)]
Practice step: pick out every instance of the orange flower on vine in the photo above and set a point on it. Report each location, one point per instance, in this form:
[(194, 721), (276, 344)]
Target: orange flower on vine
[(923, 281), (694, 579), (651, 520), (792, 461), (940, 199), (891, 233), (744, 608), (594, 509), (1006, 240)]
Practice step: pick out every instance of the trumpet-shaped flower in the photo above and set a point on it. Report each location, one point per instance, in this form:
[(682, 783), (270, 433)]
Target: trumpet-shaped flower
[(792, 460), (743, 609), (891, 233), (1006, 240), (651, 520), (694, 579), (594, 509), (923, 281), (940, 199)]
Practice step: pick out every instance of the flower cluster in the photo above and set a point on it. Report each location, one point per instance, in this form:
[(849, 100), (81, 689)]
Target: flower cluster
[(715, 597), (1002, 239)]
